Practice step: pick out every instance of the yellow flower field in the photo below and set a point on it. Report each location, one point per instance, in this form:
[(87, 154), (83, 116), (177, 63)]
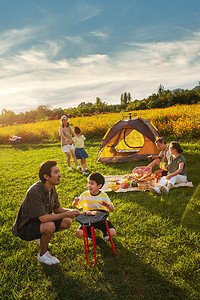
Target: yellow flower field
[(179, 122)]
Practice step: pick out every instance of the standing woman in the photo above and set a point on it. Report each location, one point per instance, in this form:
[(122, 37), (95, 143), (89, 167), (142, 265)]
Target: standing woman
[(176, 170), (67, 146)]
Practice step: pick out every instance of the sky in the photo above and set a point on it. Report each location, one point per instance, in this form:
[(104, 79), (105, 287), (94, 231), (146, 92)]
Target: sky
[(59, 53)]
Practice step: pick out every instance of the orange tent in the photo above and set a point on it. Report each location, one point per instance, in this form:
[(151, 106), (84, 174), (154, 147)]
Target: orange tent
[(128, 140)]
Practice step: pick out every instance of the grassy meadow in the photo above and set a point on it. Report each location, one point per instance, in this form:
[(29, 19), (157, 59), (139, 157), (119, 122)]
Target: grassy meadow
[(157, 242)]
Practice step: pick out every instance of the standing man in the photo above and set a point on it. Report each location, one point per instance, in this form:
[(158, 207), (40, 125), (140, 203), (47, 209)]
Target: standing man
[(35, 219), (161, 158)]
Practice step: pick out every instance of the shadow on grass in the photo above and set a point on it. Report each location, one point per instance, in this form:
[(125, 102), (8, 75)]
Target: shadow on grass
[(125, 277), (130, 278), (181, 206), (65, 286)]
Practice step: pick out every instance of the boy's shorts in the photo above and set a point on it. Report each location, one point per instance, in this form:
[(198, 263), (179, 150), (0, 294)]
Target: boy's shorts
[(67, 148), (32, 230), (100, 225)]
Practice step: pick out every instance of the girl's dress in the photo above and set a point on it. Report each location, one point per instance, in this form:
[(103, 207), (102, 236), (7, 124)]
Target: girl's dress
[(79, 145)]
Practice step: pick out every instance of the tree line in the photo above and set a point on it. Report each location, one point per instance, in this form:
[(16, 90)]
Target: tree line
[(163, 98)]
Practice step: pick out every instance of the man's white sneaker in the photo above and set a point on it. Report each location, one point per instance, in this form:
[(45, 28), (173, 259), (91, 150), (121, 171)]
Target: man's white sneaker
[(78, 167), (164, 189), (56, 260), (47, 259), (69, 168)]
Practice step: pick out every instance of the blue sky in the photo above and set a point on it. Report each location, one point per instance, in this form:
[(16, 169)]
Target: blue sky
[(61, 53)]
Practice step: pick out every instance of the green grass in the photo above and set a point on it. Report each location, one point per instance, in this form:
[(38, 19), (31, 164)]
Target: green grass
[(157, 242)]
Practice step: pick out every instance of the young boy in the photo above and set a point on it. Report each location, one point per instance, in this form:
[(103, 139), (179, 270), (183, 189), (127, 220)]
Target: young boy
[(90, 200)]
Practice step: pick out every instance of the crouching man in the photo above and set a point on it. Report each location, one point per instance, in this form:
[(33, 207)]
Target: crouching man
[(40, 214)]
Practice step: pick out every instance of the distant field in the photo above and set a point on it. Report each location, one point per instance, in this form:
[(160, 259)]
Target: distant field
[(181, 122)]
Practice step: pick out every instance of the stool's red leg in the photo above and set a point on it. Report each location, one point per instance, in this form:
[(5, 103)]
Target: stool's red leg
[(93, 236), (94, 244), (85, 235), (110, 238), (87, 244)]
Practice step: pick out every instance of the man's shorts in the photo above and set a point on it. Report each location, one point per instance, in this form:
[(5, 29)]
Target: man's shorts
[(67, 148), (32, 230), (100, 225)]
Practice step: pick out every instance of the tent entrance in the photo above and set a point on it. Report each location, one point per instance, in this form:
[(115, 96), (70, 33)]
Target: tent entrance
[(129, 141)]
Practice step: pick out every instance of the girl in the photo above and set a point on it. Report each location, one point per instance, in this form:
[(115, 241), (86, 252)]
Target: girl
[(67, 146), (79, 151), (176, 170)]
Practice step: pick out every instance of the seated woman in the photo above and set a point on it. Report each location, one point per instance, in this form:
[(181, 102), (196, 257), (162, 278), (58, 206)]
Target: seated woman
[(176, 170)]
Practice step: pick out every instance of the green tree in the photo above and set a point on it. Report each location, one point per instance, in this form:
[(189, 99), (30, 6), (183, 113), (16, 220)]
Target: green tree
[(125, 99), (161, 90), (98, 101), (7, 117)]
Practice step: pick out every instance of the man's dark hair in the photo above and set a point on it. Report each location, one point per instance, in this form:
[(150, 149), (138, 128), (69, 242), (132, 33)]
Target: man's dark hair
[(98, 178), (77, 130), (160, 140), (45, 169)]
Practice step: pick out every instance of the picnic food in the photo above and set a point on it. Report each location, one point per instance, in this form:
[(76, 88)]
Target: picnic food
[(113, 186), (134, 184), (90, 213), (125, 185), (103, 203), (112, 179)]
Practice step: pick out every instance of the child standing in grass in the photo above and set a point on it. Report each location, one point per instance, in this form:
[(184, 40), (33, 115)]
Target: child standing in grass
[(67, 146), (95, 199), (80, 151)]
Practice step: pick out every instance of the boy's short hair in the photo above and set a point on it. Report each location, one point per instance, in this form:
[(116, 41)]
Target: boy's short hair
[(97, 177), (77, 130), (45, 169)]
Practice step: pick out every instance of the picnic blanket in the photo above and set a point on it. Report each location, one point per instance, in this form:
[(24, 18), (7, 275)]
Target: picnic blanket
[(141, 186)]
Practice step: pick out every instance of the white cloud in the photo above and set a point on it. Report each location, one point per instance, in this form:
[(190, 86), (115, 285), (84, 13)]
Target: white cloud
[(31, 78), (15, 37), (87, 11), (98, 34), (74, 39)]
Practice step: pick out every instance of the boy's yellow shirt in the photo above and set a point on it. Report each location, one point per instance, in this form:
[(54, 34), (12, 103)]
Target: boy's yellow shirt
[(89, 202)]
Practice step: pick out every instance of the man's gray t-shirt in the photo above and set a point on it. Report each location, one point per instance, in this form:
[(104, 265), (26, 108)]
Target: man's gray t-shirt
[(38, 202)]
